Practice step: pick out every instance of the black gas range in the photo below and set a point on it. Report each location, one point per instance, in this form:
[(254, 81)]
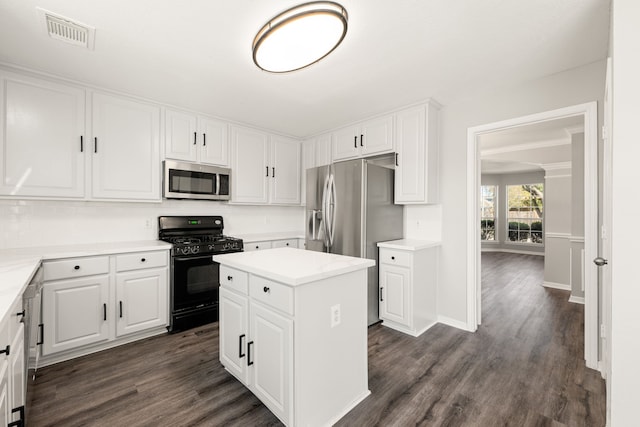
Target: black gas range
[(195, 277)]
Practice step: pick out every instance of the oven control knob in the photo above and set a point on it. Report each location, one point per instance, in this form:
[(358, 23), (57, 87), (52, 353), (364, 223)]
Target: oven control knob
[(195, 249)]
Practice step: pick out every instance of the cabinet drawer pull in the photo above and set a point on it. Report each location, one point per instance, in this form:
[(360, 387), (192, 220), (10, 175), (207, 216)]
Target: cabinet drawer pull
[(6, 350), (77, 267), (104, 312), (266, 289), (240, 353), (195, 138), (381, 294), (249, 361)]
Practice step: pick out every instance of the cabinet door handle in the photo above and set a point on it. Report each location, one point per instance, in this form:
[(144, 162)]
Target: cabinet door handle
[(95, 144), (240, 353), (120, 309), (22, 313), (195, 138), (273, 172), (6, 351), (381, 288), (204, 139), (77, 267), (267, 171), (361, 143), (266, 289), (104, 312), (81, 144), (41, 327), (230, 278), (249, 361), (355, 141), (397, 160)]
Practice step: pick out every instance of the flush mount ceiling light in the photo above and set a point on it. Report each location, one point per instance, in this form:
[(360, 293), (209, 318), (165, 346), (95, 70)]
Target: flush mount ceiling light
[(300, 36)]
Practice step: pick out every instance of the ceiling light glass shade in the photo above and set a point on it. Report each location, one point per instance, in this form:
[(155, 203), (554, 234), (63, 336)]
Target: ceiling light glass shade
[(300, 36)]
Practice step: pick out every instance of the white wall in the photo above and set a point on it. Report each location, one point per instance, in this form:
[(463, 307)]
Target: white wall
[(557, 224), (625, 290), (571, 87), (41, 223)]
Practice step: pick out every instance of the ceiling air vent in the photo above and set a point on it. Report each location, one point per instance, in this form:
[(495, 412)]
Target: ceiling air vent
[(67, 30)]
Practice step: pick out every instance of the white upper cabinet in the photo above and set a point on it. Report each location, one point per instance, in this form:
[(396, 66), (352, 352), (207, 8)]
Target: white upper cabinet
[(43, 139), (126, 149), (284, 186), (265, 169), (196, 138), (364, 139), (249, 166), (416, 180)]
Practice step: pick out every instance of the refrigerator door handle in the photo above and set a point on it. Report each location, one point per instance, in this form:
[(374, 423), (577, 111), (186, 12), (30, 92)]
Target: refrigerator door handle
[(325, 212), (332, 206)]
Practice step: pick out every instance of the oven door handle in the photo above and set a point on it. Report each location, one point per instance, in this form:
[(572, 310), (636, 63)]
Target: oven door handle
[(192, 258)]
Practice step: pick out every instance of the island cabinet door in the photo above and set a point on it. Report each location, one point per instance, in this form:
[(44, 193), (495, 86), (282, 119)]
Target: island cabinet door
[(270, 354), (234, 318)]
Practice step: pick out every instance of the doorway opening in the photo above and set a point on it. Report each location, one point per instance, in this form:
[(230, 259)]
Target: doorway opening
[(587, 114)]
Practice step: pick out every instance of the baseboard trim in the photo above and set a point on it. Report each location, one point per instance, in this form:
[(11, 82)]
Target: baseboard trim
[(561, 286), (576, 300), (512, 251), (453, 323)]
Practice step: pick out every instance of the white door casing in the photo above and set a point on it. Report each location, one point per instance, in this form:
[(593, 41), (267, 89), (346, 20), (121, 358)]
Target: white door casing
[(589, 113)]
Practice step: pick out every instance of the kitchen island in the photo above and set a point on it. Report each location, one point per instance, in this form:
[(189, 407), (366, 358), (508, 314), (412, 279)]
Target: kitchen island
[(293, 329)]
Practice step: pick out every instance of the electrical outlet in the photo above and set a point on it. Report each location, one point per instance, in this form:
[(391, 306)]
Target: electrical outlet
[(147, 224), (335, 315)]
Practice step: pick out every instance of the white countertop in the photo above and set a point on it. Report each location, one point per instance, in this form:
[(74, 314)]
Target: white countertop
[(17, 266), (292, 266), (408, 244), (279, 235)]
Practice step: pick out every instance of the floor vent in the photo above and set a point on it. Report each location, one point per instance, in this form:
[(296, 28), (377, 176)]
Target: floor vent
[(66, 30)]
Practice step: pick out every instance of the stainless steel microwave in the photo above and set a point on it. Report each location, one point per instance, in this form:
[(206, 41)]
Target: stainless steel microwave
[(184, 180)]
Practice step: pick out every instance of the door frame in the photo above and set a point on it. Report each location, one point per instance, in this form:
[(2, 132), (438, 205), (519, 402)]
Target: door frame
[(589, 111)]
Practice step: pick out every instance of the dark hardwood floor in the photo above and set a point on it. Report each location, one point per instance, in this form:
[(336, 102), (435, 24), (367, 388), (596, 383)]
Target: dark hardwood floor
[(523, 367)]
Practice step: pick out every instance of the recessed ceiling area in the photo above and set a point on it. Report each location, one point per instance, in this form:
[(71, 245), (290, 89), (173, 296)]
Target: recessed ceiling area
[(527, 148), (197, 54)]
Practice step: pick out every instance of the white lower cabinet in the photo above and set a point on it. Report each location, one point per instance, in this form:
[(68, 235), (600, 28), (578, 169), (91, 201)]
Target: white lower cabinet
[(74, 313), (268, 244), (92, 303), (142, 300), (12, 367), (256, 345), (408, 283)]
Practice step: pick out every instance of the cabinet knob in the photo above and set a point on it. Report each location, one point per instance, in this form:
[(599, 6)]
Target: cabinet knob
[(77, 267), (229, 278), (287, 244), (393, 257), (143, 260), (6, 350), (266, 289), (257, 247)]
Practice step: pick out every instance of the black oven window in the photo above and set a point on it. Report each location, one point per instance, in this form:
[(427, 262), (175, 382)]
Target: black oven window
[(181, 181), (202, 278)]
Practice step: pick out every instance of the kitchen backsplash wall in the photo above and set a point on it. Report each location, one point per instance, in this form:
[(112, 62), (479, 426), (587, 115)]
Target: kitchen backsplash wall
[(28, 223)]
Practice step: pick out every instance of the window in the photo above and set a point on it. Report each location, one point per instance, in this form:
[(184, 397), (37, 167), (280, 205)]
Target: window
[(488, 215), (525, 213)]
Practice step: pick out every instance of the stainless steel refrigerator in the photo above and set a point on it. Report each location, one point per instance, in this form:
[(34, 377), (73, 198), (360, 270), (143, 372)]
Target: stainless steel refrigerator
[(349, 210)]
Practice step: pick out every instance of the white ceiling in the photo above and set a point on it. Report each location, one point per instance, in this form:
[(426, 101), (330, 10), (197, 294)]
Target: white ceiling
[(197, 53), (528, 148)]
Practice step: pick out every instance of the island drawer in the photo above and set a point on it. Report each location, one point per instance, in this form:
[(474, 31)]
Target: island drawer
[(237, 280), (395, 257), (272, 293), (139, 260), (75, 267)]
